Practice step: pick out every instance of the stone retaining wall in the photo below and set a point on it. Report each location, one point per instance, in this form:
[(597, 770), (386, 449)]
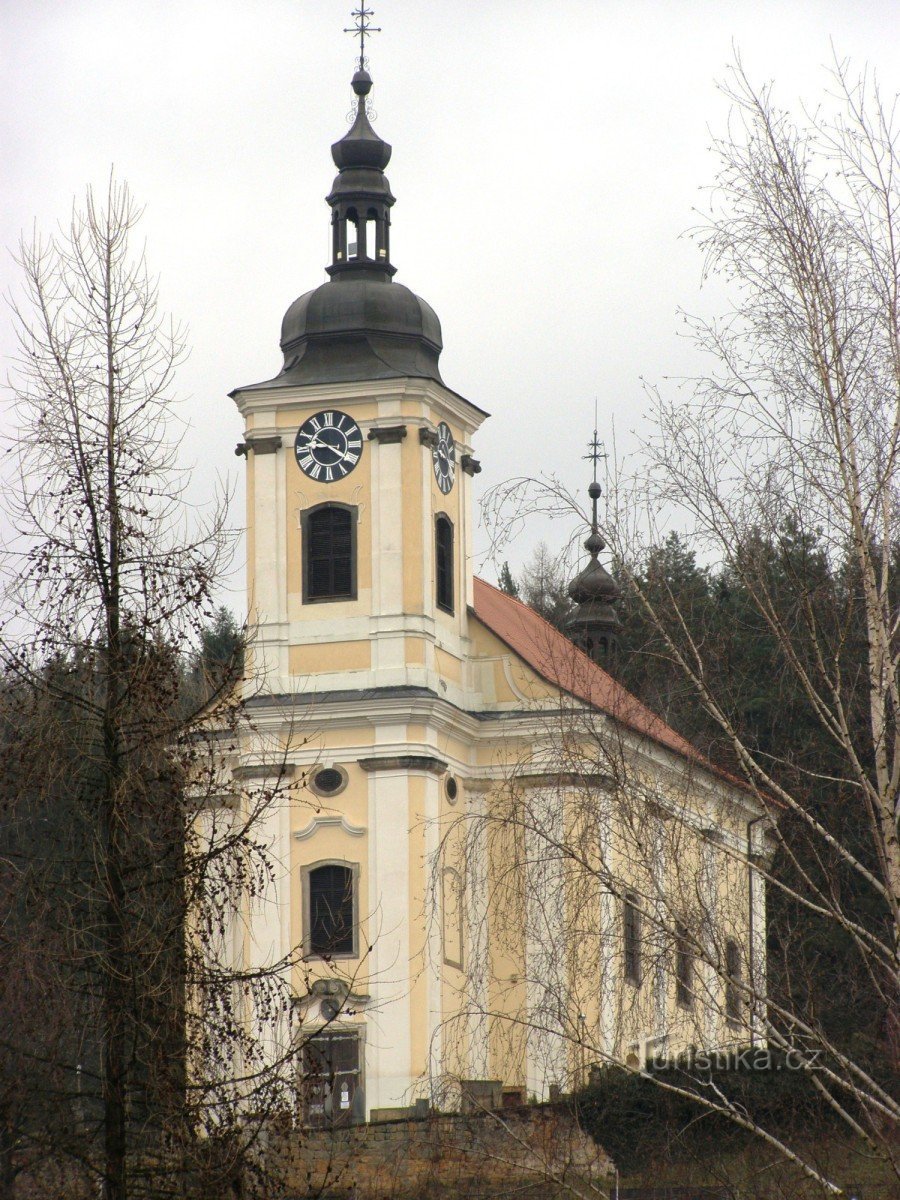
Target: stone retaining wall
[(439, 1156)]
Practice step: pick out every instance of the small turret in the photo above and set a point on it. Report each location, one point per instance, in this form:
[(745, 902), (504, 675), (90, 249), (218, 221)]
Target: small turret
[(594, 625)]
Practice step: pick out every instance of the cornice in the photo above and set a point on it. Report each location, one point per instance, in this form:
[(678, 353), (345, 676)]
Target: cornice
[(403, 762), (264, 770), (254, 397), (387, 435)]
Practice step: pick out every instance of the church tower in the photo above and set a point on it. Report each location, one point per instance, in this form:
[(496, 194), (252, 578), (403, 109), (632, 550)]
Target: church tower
[(359, 463), (359, 544)]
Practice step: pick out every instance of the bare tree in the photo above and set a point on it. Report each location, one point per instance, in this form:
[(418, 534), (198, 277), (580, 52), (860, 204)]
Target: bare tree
[(780, 469), (128, 837)]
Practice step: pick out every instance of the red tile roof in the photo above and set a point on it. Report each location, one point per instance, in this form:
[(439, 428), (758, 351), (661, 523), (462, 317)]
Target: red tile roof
[(561, 663)]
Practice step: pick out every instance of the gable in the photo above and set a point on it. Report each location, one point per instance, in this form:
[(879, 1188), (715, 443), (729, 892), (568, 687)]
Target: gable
[(556, 661)]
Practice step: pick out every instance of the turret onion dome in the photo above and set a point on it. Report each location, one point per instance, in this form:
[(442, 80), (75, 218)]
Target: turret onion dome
[(594, 624), (359, 325), (361, 146)]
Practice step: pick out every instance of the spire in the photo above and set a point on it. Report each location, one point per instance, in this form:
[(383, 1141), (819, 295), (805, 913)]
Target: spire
[(360, 324), (594, 624), (360, 196)]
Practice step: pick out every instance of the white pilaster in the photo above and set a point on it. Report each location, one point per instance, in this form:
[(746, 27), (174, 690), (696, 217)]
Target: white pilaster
[(388, 1036), (434, 923), (268, 604), (545, 942)]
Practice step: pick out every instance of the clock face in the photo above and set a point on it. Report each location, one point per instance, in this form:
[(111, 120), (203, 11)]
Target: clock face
[(328, 446), (444, 458)]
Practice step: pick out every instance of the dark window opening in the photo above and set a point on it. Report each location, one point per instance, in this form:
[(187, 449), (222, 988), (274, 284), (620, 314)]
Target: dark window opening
[(331, 910), (732, 981), (443, 555), (329, 553), (332, 1094), (631, 923), (328, 781), (684, 967)]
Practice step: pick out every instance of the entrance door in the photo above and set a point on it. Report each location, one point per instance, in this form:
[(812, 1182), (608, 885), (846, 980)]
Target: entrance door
[(331, 1079)]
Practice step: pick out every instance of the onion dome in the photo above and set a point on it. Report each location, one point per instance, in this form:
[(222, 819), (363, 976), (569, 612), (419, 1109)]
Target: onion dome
[(361, 147), (359, 329), (360, 324), (594, 624)]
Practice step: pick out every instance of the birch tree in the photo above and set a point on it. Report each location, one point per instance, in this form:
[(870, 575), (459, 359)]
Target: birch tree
[(779, 470)]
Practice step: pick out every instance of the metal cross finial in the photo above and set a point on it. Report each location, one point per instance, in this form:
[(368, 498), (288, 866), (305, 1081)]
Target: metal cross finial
[(595, 446), (361, 29), (596, 451)]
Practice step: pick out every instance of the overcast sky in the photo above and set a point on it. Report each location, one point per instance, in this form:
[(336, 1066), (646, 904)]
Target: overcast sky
[(547, 159)]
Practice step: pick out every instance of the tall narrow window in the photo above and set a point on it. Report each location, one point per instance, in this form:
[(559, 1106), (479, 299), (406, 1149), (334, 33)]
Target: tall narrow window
[(453, 917), (631, 930), (330, 910), (443, 559), (371, 235), (684, 967), (732, 981), (352, 234), (329, 553)]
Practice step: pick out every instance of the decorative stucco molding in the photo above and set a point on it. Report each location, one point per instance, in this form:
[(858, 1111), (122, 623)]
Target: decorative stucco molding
[(328, 822)]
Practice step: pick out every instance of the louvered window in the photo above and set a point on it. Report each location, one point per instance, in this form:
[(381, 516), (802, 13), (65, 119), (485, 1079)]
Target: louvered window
[(443, 557), (331, 924), (329, 553)]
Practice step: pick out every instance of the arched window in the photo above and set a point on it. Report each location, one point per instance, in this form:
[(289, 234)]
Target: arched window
[(732, 981), (329, 552), (443, 562), (330, 909), (631, 936)]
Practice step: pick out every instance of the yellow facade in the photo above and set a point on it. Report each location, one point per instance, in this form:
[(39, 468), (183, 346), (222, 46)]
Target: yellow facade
[(472, 804)]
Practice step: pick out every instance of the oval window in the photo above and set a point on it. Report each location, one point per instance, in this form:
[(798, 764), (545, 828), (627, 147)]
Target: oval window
[(329, 781)]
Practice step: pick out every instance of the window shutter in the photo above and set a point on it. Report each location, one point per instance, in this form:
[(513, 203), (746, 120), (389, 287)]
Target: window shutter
[(329, 554)]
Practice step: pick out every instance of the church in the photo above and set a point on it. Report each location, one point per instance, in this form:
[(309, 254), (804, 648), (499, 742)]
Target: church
[(479, 861)]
